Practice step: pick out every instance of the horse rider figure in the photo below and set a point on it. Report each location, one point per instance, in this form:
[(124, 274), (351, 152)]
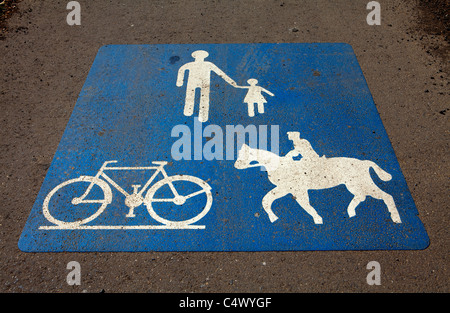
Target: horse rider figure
[(302, 147)]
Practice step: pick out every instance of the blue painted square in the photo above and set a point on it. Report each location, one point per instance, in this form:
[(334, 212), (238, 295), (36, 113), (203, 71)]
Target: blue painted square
[(136, 108)]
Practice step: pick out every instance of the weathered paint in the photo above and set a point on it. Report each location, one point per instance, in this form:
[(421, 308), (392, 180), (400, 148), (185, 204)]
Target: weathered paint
[(135, 95)]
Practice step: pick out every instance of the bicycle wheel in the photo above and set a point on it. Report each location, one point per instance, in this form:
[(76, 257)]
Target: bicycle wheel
[(66, 194), (195, 188)]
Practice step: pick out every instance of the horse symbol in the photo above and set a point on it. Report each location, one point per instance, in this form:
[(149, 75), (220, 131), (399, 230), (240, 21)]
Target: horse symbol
[(297, 177)]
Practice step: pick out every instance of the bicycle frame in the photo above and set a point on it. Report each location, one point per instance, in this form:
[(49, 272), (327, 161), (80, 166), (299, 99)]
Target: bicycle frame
[(132, 200), (159, 169)]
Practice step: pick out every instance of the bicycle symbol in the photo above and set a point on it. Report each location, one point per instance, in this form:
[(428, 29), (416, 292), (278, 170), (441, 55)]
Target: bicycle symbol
[(132, 200)]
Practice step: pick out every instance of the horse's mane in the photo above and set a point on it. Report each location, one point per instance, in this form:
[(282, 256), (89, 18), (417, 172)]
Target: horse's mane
[(267, 158), (266, 154)]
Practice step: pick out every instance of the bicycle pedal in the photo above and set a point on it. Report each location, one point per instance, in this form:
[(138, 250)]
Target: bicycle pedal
[(131, 212)]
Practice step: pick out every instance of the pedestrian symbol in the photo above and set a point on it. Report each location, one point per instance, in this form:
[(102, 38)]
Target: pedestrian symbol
[(199, 78)]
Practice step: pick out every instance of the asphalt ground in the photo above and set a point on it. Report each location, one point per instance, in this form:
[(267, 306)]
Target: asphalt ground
[(44, 63)]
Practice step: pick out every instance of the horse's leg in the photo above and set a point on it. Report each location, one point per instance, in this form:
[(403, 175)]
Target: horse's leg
[(303, 199), (357, 199), (370, 189), (269, 198), (389, 201)]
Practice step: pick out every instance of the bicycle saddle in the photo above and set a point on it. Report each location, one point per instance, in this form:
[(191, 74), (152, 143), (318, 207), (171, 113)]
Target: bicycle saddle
[(160, 162)]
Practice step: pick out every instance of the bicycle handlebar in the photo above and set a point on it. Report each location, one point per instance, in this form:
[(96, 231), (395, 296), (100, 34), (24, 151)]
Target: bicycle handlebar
[(108, 162), (104, 166)]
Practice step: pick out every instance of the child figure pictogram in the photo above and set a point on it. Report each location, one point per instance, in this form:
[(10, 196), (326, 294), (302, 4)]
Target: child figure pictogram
[(254, 96)]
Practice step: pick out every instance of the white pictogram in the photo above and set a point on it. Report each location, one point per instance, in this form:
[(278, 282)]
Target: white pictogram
[(296, 177), (132, 200), (199, 77), (254, 97)]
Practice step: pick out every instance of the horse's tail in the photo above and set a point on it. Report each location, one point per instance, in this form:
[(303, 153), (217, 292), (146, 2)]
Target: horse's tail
[(385, 176)]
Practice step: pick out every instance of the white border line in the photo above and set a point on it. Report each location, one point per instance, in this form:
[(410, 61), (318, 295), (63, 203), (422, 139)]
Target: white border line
[(100, 227)]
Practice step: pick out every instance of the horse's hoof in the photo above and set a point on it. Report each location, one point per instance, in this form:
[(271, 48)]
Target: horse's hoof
[(273, 218), (396, 219)]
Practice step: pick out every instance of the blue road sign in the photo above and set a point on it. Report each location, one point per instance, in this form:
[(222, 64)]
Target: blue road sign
[(224, 147)]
